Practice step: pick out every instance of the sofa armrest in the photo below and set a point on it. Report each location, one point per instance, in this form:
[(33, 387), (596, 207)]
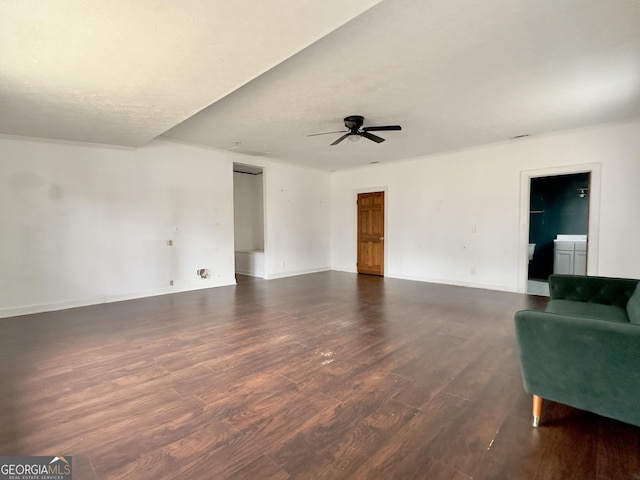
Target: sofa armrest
[(579, 288), (586, 363)]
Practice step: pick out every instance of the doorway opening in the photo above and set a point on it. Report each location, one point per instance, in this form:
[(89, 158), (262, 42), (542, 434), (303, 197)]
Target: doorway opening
[(248, 216), (371, 233), (558, 228)]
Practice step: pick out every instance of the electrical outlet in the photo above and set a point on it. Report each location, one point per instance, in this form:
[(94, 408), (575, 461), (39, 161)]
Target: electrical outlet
[(170, 283)]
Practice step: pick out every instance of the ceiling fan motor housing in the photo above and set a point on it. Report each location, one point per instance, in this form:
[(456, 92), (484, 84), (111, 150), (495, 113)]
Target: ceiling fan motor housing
[(354, 122)]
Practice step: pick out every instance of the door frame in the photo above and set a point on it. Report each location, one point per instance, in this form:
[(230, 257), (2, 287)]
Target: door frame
[(386, 225), (593, 241)]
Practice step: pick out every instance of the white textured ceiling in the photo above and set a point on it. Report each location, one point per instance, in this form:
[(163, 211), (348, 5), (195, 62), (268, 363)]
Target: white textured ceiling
[(124, 71), (453, 74)]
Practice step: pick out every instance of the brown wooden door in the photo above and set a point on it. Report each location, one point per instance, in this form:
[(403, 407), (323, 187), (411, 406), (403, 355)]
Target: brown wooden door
[(371, 233)]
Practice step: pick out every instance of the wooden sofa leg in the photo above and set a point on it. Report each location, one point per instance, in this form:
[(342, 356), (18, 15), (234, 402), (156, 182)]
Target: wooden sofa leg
[(537, 410)]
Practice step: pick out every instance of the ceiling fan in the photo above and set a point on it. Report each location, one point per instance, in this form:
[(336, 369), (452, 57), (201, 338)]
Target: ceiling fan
[(355, 130)]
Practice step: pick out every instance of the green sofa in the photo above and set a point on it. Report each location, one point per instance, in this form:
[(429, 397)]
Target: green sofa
[(583, 350)]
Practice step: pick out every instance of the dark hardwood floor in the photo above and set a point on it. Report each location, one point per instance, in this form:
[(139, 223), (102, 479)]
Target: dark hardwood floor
[(329, 375)]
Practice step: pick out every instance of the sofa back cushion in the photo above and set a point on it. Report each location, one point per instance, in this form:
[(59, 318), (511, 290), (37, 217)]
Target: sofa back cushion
[(598, 311), (604, 290), (633, 306)]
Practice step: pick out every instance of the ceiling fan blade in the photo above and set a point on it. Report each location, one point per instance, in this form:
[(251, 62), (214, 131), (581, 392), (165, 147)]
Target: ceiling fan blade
[(373, 137), (381, 128), (326, 133), (340, 139)]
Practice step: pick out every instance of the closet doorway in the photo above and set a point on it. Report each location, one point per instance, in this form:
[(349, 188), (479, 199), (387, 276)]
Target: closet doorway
[(248, 216)]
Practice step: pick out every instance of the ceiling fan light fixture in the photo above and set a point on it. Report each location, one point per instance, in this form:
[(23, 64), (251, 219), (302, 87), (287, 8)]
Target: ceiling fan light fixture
[(354, 137)]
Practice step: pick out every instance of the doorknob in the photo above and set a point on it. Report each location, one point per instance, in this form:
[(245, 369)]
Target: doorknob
[(381, 238)]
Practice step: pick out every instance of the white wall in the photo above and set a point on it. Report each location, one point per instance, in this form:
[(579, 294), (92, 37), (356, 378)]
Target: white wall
[(84, 224), (456, 218), (248, 212), (297, 220), (87, 224)]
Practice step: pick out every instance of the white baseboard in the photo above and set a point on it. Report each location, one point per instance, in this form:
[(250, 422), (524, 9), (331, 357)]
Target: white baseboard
[(241, 271), (346, 270), (295, 273), (441, 281), (84, 302), (455, 283), (97, 300)]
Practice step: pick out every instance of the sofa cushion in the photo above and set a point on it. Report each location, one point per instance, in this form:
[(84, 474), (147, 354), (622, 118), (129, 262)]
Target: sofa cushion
[(598, 311), (633, 306), (604, 290)]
